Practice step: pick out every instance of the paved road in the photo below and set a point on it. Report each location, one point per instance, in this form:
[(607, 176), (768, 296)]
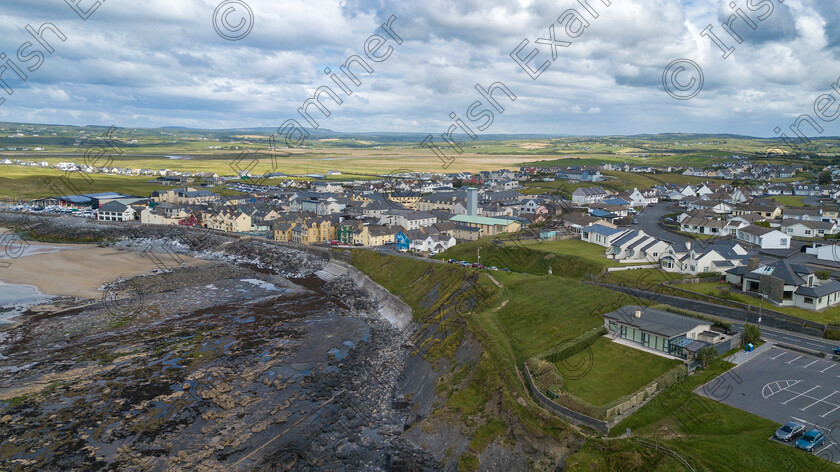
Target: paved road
[(793, 339), (648, 221)]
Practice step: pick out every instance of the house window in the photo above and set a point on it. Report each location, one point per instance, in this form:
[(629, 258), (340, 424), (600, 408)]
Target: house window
[(809, 300)]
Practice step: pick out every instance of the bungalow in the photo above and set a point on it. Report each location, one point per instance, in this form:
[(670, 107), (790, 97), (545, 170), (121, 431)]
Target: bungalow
[(703, 226), (765, 238), (486, 226), (636, 246), (601, 235), (667, 332), (808, 229)]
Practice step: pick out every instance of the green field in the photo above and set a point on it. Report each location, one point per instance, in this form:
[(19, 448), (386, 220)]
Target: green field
[(574, 247), (32, 182), (616, 371), (789, 200), (530, 256)]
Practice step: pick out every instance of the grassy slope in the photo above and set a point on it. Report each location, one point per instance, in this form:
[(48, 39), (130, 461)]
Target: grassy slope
[(543, 312), (617, 370), (530, 256)]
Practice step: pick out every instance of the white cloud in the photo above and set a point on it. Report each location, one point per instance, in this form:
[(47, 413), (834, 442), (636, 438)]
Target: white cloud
[(163, 64)]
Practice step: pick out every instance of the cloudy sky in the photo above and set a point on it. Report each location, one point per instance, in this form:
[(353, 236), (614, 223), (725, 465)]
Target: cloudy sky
[(163, 63)]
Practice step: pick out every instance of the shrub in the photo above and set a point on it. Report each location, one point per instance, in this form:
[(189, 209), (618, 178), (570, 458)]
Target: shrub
[(752, 334)]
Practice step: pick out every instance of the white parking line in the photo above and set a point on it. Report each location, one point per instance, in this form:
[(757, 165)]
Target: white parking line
[(823, 449), (832, 365), (803, 393), (797, 357), (812, 363), (780, 355), (819, 401), (832, 411)]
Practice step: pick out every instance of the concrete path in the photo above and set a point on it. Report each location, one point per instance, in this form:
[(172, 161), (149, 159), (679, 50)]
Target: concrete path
[(740, 357)]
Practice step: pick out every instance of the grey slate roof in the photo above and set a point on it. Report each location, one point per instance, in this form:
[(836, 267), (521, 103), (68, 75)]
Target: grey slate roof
[(659, 322), (819, 290)]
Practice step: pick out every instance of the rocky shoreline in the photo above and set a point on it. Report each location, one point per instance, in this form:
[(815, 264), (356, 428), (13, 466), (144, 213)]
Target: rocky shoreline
[(226, 366)]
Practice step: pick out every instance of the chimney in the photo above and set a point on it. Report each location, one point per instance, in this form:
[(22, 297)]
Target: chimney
[(638, 313), (688, 245), (752, 264)]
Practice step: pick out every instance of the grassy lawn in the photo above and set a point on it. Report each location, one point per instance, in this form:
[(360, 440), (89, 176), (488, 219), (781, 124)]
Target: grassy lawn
[(529, 256), (574, 247), (542, 312), (831, 315), (788, 200), (617, 370), (641, 278)]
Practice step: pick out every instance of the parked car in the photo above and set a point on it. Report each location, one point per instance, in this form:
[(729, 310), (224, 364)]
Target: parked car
[(476, 265), (465, 263), (810, 440), (837, 350), (505, 270), (493, 268), (451, 261), (790, 431)]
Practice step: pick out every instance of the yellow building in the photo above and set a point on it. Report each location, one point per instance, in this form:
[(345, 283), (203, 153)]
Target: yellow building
[(410, 200)]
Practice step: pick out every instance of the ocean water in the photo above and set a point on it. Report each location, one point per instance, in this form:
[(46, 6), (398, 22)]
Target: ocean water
[(16, 298)]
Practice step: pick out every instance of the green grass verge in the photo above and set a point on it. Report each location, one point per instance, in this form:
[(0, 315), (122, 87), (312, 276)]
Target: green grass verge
[(615, 371)]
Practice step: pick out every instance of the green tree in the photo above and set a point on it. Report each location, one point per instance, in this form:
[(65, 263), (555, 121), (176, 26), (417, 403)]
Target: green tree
[(763, 224), (706, 356), (752, 334), (823, 274), (825, 178)]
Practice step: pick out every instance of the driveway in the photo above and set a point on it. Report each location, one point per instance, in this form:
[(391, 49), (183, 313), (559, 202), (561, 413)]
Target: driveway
[(648, 221)]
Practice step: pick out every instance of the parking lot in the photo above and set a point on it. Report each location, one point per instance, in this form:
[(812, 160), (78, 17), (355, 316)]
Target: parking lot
[(782, 386)]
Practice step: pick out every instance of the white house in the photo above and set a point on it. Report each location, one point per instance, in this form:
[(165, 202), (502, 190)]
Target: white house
[(115, 211), (432, 242), (808, 229), (766, 238), (601, 235), (637, 246), (829, 252), (686, 258), (587, 195)]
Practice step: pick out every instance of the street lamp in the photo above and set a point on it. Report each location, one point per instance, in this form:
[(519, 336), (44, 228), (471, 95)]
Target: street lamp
[(478, 252)]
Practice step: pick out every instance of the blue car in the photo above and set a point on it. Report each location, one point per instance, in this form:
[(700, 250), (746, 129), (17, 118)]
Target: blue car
[(837, 350), (810, 440)]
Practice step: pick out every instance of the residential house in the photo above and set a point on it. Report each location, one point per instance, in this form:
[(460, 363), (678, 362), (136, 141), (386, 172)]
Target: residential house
[(588, 195), (601, 235), (676, 335), (809, 229), (693, 259), (765, 238)]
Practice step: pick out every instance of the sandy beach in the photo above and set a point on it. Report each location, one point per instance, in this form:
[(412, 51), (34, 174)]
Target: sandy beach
[(76, 270)]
